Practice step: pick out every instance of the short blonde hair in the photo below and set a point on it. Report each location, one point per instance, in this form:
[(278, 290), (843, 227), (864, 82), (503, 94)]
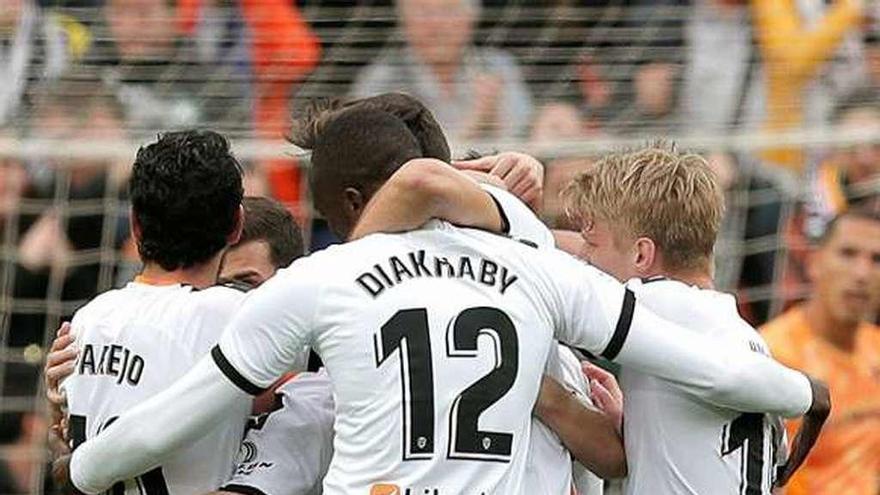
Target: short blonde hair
[(671, 197)]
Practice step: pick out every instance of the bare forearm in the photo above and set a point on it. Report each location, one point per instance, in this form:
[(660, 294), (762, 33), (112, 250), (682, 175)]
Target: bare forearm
[(426, 189), (588, 434)]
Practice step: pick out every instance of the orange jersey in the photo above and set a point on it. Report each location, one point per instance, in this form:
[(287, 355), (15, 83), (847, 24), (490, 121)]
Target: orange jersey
[(846, 459)]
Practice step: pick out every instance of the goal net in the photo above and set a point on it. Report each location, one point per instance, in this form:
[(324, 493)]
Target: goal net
[(794, 134)]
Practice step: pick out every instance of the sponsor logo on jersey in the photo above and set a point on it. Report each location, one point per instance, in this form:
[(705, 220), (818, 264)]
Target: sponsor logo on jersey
[(392, 489), (385, 489), (247, 457)]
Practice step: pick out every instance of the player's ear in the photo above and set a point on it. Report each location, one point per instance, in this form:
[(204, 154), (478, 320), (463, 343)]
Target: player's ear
[(135, 226), (645, 254), (354, 202), (237, 227)]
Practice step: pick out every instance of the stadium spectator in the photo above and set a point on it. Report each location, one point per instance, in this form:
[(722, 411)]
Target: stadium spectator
[(22, 429), (830, 337), (162, 78), (51, 243), (812, 55), (283, 50), (849, 176), (476, 93), (34, 46), (647, 100), (13, 182), (719, 72)]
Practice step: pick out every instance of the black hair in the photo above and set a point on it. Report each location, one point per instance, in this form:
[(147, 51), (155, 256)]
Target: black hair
[(415, 115), (268, 220), (360, 148), (185, 191), (864, 212)]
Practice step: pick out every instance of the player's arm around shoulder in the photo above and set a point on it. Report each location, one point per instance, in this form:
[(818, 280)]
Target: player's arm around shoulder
[(495, 201), (423, 189)]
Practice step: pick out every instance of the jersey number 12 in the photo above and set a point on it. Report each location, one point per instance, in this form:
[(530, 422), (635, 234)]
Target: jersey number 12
[(407, 332)]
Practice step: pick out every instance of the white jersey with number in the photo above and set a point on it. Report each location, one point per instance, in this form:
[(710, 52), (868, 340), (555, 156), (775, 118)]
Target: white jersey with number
[(550, 469), (133, 343), (435, 342), (679, 444)]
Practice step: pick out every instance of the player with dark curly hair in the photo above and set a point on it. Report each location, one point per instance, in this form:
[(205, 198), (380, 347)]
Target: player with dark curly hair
[(186, 192)]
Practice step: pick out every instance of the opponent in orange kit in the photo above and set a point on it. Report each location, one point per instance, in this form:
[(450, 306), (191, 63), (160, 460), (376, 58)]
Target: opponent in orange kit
[(830, 338)]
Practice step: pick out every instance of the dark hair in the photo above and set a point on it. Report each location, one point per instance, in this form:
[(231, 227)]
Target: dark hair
[(864, 212), (416, 116), (19, 389), (185, 191), (268, 220), (359, 148)]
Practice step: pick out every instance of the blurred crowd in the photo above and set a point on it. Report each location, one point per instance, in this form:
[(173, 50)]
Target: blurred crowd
[(500, 74)]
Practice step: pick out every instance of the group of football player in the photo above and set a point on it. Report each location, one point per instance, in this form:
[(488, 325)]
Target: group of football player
[(452, 341)]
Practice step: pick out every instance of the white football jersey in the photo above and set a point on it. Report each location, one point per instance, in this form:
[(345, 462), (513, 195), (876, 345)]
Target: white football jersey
[(550, 469), (435, 341), (288, 451), (133, 343), (676, 443)]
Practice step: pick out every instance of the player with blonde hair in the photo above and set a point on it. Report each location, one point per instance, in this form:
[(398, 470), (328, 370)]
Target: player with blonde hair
[(651, 216)]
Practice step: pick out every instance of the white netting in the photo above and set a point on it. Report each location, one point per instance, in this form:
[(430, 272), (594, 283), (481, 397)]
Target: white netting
[(83, 83)]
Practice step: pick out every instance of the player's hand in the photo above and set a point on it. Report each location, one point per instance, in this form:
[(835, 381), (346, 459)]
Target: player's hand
[(808, 433), (59, 365), (485, 178), (523, 175), (605, 392)]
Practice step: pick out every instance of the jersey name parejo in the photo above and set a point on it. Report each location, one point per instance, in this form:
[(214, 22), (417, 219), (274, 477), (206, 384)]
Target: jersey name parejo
[(136, 341)]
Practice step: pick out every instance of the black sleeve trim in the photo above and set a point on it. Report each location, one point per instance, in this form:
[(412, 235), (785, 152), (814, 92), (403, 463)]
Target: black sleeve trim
[(315, 362), (585, 353), (234, 376), (623, 324), (246, 490), (505, 222)]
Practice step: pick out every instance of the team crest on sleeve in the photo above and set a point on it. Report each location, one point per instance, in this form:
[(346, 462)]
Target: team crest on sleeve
[(247, 452), (247, 459)]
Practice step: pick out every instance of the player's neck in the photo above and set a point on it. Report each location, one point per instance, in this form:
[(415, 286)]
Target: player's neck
[(697, 278), (199, 276), (840, 334)]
